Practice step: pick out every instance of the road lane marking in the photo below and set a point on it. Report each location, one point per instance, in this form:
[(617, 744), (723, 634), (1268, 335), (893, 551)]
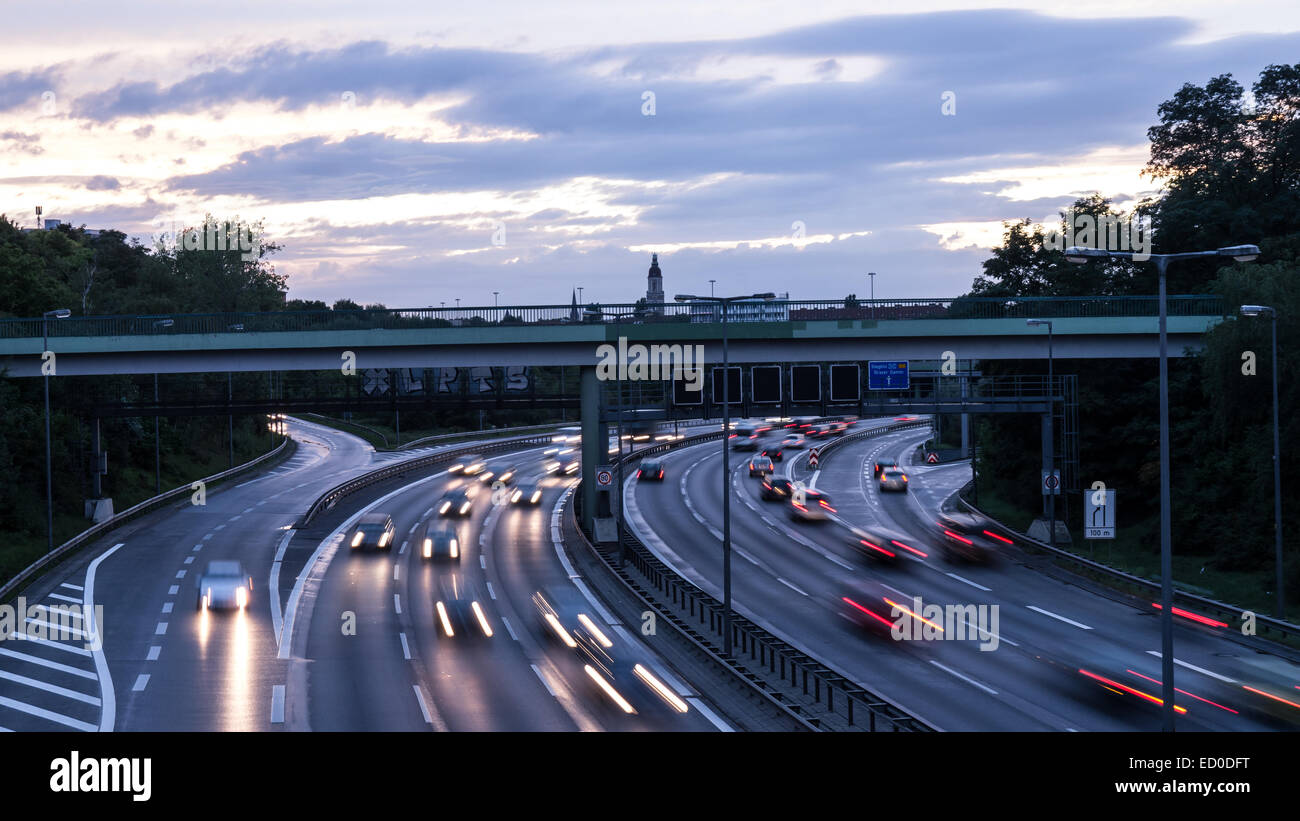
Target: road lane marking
[(50, 688), (791, 586), (491, 592), (277, 704), (180, 574), (1202, 670), (198, 547), (542, 678), (48, 715), (971, 583), (189, 560), (406, 648), (141, 682), (711, 716), (58, 627), (277, 615), (248, 510), (58, 645), (173, 590), (161, 629), (424, 708), (397, 602), (1058, 618), (509, 629), (397, 568), (219, 527), (53, 665), (167, 607), (966, 679), (62, 597), (71, 586), (154, 652)]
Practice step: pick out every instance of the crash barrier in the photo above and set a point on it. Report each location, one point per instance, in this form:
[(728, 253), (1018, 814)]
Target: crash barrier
[(90, 534), (759, 657)]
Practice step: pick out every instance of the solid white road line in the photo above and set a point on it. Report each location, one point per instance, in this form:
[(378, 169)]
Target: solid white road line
[(53, 665), (712, 717), (50, 688), (277, 704), (1201, 670), (108, 701), (277, 616), (1058, 618), (966, 679)]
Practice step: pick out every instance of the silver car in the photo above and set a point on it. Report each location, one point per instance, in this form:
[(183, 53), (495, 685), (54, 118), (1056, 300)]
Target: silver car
[(224, 584)]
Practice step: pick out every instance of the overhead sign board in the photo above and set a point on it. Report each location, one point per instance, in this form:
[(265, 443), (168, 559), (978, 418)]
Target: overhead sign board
[(888, 376)]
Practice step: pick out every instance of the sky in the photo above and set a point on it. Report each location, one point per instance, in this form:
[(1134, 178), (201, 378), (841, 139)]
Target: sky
[(414, 154)]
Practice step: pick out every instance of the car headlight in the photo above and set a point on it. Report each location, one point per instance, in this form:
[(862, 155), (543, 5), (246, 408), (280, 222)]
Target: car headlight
[(386, 538), (356, 540), (428, 548), (514, 497), (443, 507), (241, 598), (464, 508), (537, 494), (455, 549)]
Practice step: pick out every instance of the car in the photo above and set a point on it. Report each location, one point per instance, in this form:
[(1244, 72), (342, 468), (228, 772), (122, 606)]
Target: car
[(761, 466), (966, 536), (457, 502), (459, 611), (487, 477), (469, 464), (819, 431), (884, 545), (874, 607), (794, 441), (773, 489), (374, 530), (744, 438), (774, 453), (224, 584), (893, 479), (881, 464), (650, 470), (440, 543), (526, 493), (809, 505)]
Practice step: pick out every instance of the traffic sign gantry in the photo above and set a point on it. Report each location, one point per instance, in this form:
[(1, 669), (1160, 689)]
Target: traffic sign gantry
[(888, 376)]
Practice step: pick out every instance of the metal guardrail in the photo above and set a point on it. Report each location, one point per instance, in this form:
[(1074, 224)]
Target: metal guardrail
[(92, 533), (1227, 611), (425, 440), (331, 497), (680, 600), (783, 310), (824, 451)]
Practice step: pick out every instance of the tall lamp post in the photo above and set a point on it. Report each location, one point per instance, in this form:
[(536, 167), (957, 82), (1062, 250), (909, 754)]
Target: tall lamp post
[(1264, 310), (1051, 421), (1240, 253), (872, 279), (724, 303), (58, 313), (157, 448)]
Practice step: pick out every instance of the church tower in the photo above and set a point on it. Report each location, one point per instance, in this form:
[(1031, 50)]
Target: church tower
[(654, 293)]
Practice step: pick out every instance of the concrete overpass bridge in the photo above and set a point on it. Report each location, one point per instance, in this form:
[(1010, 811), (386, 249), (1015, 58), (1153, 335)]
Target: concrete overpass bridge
[(783, 331)]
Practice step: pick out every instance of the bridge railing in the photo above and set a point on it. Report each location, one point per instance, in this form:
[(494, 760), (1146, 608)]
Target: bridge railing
[(504, 316)]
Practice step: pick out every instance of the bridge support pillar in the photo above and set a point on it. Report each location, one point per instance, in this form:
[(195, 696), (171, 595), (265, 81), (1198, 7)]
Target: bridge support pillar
[(965, 419), (595, 443)]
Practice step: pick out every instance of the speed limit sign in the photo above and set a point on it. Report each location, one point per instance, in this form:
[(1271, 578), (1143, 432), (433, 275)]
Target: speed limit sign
[(1052, 483), (604, 476)]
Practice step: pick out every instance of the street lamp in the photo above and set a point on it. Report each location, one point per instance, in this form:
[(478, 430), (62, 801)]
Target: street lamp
[(157, 448), (1264, 310), (1240, 253), (496, 303), (1051, 421), (711, 286), (872, 280), (724, 302), (57, 313)]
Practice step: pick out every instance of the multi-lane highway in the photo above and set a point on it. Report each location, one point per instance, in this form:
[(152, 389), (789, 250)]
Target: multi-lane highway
[(790, 576), (332, 639)]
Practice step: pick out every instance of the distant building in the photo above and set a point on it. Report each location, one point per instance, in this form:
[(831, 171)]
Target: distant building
[(744, 310), (53, 224), (654, 292)]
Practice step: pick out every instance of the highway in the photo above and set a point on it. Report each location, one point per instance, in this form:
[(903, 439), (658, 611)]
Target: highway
[(287, 661), (789, 577)]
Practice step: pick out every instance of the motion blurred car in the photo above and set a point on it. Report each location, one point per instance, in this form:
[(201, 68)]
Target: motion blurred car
[(810, 506), (881, 464), (526, 493), (874, 607), (893, 479), (374, 530), (650, 470), (440, 543), (774, 453), (487, 477), (794, 441), (459, 611), (773, 489), (744, 438), (225, 584), (966, 536), (470, 464), (761, 466), (884, 545), (457, 502), (837, 428)]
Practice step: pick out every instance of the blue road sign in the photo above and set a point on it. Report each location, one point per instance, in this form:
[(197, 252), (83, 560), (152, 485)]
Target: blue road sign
[(888, 376)]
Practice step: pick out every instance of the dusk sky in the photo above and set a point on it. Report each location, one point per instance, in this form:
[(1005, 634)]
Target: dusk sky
[(386, 144)]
